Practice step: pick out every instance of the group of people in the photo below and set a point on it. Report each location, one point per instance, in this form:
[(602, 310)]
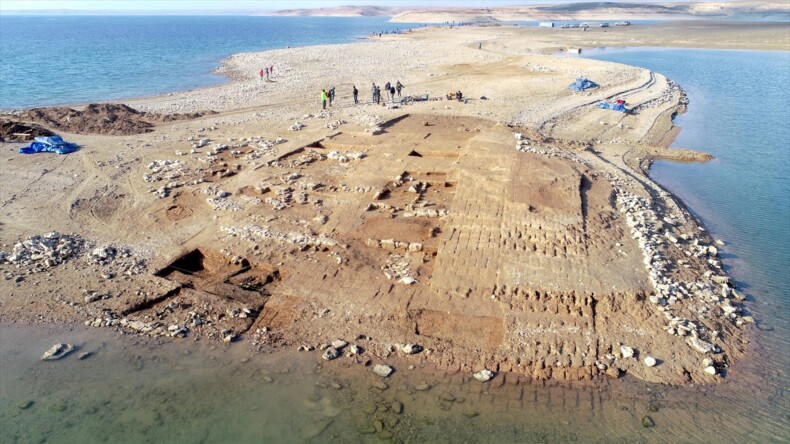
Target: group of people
[(268, 71), (389, 88), (328, 96)]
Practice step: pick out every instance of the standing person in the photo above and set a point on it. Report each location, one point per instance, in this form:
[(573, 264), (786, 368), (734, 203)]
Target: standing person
[(392, 94), (331, 95), (323, 98), (271, 70), (399, 86), (387, 87), (373, 93), (261, 74), (378, 95), (267, 73), (355, 92)]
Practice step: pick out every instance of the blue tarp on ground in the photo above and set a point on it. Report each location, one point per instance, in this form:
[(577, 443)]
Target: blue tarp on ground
[(53, 144), (613, 106), (582, 84)]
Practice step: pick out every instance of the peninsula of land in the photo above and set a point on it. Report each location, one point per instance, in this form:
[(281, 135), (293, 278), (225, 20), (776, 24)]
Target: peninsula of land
[(511, 229)]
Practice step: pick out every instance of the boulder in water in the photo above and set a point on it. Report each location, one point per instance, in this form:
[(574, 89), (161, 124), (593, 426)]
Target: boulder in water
[(57, 351)]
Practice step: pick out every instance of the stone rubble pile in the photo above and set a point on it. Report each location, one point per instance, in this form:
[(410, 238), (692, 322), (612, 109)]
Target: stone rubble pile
[(673, 92), (345, 157), (398, 268), (335, 124), (254, 233), (392, 244), (117, 261), (165, 170), (39, 253)]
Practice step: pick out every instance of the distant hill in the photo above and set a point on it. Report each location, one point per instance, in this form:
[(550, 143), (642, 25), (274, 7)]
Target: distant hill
[(737, 10), (342, 11)]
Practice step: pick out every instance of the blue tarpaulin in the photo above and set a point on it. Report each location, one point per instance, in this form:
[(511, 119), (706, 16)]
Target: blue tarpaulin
[(613, 106), (582, 84), (53, 144)]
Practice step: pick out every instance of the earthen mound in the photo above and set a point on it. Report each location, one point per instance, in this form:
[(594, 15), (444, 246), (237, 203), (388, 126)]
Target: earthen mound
[(11, 131), (110, 119)]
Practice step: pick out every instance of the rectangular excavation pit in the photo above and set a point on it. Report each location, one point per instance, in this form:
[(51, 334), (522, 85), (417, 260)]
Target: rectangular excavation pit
[(213, 272), (227, 294)]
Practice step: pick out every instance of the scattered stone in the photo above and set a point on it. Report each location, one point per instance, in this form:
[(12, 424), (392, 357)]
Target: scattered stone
[(711, 370), (397, 407), (26, 404), (648, 422), (331, 353), (85, 355), (383, 370), (652, 408), (57, 351), (339, 344), (410, 349), (424, 387), (380, 385), (626, 352), (367, 430), (484, 375), (650, 361), (701, 345), (449, 397), (313, 430)]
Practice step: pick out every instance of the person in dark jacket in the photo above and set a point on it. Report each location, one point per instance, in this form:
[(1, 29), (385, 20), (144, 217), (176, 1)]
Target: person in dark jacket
[(355, 92)]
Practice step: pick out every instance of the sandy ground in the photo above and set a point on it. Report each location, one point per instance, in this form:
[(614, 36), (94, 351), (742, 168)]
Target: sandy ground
[(513, 231)]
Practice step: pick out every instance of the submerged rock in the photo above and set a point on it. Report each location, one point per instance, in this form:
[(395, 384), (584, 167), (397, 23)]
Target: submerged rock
[(383, 370), (57, 351), (331, 353), (648, 422)]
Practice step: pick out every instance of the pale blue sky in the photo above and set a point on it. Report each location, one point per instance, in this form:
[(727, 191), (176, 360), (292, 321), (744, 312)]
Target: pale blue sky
[(243, 5)]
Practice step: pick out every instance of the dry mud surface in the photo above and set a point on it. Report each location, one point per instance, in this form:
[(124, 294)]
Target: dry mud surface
[(515, 233)]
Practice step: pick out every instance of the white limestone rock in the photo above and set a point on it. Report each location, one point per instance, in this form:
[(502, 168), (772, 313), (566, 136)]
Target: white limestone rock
[(57, 351), (484, 375), (383, 370)]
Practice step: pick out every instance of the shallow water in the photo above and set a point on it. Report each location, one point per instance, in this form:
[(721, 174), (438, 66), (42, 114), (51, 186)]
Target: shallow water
[(54, 60), (135, 390), (740, 113)]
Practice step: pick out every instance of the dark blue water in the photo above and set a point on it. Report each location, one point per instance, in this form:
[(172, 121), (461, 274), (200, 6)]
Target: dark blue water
[(49, 60), (739, 112)]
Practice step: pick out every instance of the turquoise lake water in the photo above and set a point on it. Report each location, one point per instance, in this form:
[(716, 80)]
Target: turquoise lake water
[(739, 112), (135, 390), (53, 60)]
